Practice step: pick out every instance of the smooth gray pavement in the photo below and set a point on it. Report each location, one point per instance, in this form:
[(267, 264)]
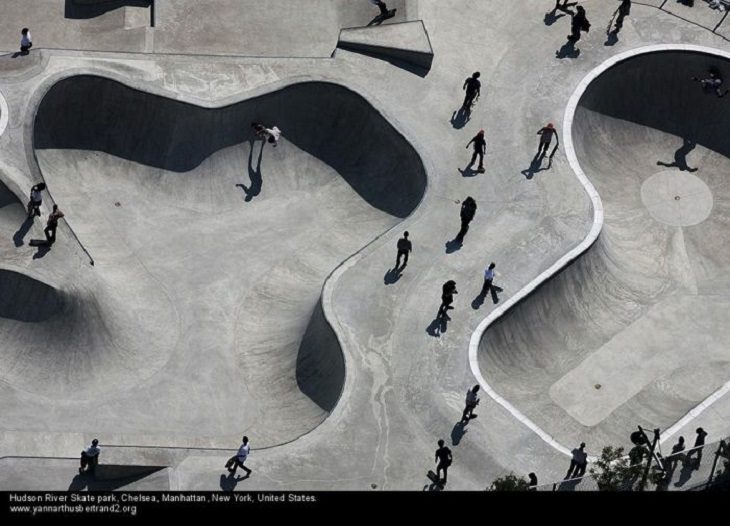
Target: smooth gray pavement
[(187, 330)]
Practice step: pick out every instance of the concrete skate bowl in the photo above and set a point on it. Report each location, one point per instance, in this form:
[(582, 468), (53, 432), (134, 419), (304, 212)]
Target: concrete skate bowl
[(636, 330), (239, 236)]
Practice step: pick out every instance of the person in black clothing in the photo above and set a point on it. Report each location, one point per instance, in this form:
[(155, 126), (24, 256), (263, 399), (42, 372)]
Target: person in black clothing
[(404, 248), (533, 482), (480, 146), (578, 24), (444, 459), (546, 137), (52, 224), (699, 445), (447, 298), (473, 89), (468, 210)]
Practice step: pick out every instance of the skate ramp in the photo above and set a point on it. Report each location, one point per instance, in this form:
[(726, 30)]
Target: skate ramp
[(211, 250), (635, 331)]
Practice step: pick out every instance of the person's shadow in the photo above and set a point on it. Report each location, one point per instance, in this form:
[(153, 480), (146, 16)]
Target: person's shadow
[(680, 157), (536, 166), (453, 246), (43, 249), (569, 485), (688, 466), (479, 300), (460, 117), (392, 276), (551, 17), (22, 231), (458, 432), (254, 174), (468, 171), (567, 51), (611, 39), (230, 481), (382, 17), (437, 328)]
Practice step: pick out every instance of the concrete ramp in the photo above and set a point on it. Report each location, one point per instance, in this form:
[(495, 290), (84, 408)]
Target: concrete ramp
[(406, 41)]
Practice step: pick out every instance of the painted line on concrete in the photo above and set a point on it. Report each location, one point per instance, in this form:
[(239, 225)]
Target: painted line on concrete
[(4, 113), (581, 248)]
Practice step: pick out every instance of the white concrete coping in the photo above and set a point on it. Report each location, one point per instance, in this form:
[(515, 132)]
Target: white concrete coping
[(4, 115), (582, 247)]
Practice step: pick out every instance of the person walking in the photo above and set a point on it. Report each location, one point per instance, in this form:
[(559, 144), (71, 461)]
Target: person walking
[(447, 298), (622, 12), (52, 224), (444, 460), (468, 210), (36, 199), (698, 447), (90, 457), (488, 279), (26, 41), (579, 23), (473, 89), (480, 147), (237, 460), (546, 138), (404, 248), (472, 401), (383, 7), (578, 463), (562, 7)]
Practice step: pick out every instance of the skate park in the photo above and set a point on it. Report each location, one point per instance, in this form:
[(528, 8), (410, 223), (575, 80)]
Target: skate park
[(237, 288)]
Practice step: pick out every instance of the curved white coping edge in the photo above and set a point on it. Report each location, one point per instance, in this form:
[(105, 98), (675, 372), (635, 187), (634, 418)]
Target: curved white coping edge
[(582, 247), (4, 116)]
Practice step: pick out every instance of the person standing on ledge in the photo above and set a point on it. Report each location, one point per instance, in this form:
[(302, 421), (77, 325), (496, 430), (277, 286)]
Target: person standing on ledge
[(480, 147), (52, 224), (473, 89), (90, 457), (404, 248), (26, 41)]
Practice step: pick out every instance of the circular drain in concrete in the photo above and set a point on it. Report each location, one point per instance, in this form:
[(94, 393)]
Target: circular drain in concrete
[(677, 198)]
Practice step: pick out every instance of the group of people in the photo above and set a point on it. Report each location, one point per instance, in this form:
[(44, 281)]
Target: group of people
[(34, 209), (579, 20)]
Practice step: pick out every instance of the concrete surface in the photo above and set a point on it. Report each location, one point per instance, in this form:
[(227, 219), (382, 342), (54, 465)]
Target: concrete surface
[(192, 333), (407, 41)]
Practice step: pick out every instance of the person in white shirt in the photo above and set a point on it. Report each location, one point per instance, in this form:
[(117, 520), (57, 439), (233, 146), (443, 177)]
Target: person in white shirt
[(26, 42), (472, 401), (36, 199), (90, 457), (488, 279), (271, 134), (239, 458)]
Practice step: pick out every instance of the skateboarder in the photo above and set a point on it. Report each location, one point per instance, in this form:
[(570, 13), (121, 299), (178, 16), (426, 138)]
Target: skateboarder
[(488, 278), (90, 457), (381, 5), (26, 42), (36, 198), (447, 298), (472, 401), (239, 458), (713, 82), (271, 134), (468, 210), (578, 463), (546, 137), (404, 248), (473, 89), (52, 224), (444, 459), (578, 24), (480, 146)]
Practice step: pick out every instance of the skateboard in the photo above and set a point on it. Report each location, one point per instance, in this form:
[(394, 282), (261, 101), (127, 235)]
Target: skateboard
[(39, 243)]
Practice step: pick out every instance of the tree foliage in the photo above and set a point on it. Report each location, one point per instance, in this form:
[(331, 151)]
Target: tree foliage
[(509, 482)]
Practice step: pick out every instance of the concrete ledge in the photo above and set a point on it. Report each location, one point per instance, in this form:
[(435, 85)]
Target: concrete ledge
[(406, 41)]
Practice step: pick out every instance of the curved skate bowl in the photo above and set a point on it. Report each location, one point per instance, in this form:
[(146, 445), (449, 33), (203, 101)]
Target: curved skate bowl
[(635, 330), (211, 254)]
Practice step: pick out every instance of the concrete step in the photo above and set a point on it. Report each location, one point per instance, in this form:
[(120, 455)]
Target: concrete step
[(405, 41)]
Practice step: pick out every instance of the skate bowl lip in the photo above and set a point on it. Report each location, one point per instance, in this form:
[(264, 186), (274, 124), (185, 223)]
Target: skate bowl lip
[(582, 247), (4, 116), (327, 289)]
